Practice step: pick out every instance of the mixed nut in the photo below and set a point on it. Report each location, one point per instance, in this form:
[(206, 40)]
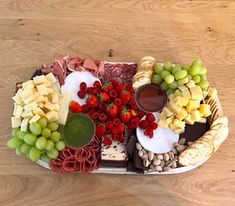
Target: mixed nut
[(162, 162)]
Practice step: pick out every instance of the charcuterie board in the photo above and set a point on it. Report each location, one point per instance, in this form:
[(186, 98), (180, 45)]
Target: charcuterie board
[(83, 115)]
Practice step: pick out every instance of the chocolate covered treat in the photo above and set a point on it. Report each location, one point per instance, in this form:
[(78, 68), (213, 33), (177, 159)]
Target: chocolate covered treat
[(114, 155)]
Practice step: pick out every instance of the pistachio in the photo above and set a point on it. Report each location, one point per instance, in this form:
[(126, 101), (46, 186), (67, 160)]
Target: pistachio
[(182, 141), (150, 156), (190, 143), (144, 151), (152, 167), (171, 155), (174, 164), (169, 163), (176, 144), (166, 157), (138, 146), (145, 156), (166, 168), (146, 162), (140, 153), (156, 162), (180, 148), (162, 163), (174, 151), (158, 168), (160, 156)]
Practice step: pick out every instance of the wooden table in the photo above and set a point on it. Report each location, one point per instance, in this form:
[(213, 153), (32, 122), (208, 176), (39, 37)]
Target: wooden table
[(35, 32)]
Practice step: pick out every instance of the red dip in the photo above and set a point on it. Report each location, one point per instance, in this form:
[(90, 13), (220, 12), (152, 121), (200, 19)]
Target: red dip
[(151, 98)]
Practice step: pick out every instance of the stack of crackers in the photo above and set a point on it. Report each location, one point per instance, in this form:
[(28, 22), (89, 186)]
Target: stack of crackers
[(144, 72), (208, 143)]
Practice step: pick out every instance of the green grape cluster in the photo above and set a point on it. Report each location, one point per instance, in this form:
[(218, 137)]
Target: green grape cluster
[(170, 76), (41, 141)]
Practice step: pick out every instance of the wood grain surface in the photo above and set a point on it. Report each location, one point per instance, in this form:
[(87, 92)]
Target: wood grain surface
[(34, 32)]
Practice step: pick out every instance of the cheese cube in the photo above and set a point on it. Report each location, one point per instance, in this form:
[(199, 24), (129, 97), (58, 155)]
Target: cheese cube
[(196, 115), (205, 110), (47, 83), (24, 125), (176, 124), (196, 93), (15, 108), (178, 93), (26, 93), (52, 116), (169, 120), (45, 99), (166, 112), (56, 107), (181, 101), (27, 114), (179, 130), (39, 99), (190, 84), (15, 122), (55, 87), (163, 123), (212, 92), (39, 111), (54, 98), (186, 94), (41, 105), (182, 88), (39, 79), (42, 89), (17, 99), (31, 106), (202, 120), (29, 99), (174, 107), (19, 111), (183, 81), (192, 105), (49, 106), (51, 78), (49, 90), (34, 119), (28, 83), (189, 120), (182, 114)]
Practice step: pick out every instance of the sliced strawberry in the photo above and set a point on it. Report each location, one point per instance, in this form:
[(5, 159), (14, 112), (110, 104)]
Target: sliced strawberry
[(75, 107)]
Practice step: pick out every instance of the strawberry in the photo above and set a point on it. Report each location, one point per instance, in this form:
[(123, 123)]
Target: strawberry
[(121, 108), (134, 106), (125, 96), (134, 123), (107, 141), (121, 138), (153, 125), (113, 94), (115, 137), (118, 101), (95, 91), (130, 89), (112, 110), (116, 122), (100, 130), (150, 117), (114, 82), (119, 129), (94, 115), (102, 117), (140, 114), (149, 132), (75, 107), (81, 94), (96, 84), (133, 113), (92, 101), (125, 116), (107, 87), (120, 87), (109, 125), (85, 108), (83, 86), (144, 124), (89, 90), (104, 97)]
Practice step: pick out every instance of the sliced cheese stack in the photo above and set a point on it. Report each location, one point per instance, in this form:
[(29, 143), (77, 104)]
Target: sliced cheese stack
[(144, 72), (184, 107), (37, 98)]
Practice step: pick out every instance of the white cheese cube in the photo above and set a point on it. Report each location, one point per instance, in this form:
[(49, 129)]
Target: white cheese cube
[(34, 119), (55, 87), (27, 114), (29, 99), (49, 106), (52, 116), (39, 79), (26, 93), (54, 98), (29, 83), (51, 78), (42, 89), (45, 99), (15, 108), (47, 83), (39, 111), (17, 99), (39, 99), (15, 122), (41, 105), (24, 125), (56, 107), (19, 111), (50, 90), (31, 106)]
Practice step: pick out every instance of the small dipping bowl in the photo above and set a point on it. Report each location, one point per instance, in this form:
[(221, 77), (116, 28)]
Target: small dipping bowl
[(150, 98), (78, 131)]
